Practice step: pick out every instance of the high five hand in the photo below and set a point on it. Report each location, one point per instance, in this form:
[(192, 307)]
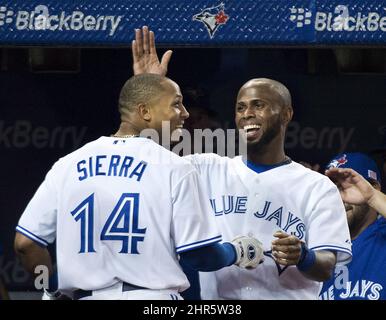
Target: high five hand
[(145, 59)]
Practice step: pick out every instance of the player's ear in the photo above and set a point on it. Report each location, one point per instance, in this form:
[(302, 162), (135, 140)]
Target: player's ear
[(144, 111), (287, 114)]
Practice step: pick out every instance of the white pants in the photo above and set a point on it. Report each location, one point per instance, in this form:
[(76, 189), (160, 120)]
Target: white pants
[(115, 293)]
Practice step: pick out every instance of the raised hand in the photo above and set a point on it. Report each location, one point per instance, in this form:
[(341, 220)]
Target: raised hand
[(145, 59), (353, 188)]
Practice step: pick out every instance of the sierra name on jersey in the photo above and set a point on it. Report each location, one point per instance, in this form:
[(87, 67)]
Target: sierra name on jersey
[(111, 165)]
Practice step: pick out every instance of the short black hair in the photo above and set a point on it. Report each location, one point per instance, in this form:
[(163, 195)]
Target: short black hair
[(140, 89), (276, 86)]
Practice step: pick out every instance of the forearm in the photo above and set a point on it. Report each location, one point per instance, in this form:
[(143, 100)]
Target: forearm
[(32, 255), (210, 258), (34, 258), (322, 267), (378, 202)]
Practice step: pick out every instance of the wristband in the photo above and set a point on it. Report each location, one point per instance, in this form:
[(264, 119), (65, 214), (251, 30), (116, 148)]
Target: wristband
[(307, 259)]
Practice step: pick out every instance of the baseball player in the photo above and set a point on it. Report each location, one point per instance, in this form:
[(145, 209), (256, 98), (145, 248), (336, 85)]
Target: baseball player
[(359, 181), (122, 208), (296, 213)]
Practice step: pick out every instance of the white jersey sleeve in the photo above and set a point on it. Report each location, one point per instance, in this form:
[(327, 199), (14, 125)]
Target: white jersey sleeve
[(203, 161), (194, 224), (38, 221), (327, 222)]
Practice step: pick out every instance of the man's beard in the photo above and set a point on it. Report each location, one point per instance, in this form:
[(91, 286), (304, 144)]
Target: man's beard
[(272, 132), (357, 217)]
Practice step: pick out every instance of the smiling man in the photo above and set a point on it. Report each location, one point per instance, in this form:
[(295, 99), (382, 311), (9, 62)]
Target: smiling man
[(263, 111), (296, 213), (289, 207)]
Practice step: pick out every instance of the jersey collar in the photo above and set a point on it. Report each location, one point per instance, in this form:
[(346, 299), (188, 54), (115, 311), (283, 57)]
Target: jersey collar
[(259, 168)]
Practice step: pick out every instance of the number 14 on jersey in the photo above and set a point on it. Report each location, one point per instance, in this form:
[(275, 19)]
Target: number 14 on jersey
[(121, 225)]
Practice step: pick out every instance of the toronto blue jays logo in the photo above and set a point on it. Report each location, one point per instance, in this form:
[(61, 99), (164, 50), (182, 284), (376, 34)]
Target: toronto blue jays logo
[(336, 163), (212, 18)]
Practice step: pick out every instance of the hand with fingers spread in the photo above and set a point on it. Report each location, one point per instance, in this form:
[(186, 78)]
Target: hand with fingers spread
[(353, 188), (286, 249), (145, 59)]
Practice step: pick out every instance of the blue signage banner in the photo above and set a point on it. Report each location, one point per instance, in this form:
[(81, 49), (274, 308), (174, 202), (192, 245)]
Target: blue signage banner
[(199, 22)]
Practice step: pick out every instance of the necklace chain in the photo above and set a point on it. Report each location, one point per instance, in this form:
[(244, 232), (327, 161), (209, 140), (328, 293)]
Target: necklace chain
[(124, 136)]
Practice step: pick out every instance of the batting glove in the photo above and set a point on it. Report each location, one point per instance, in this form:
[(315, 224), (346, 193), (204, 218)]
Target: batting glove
[(249, 252)]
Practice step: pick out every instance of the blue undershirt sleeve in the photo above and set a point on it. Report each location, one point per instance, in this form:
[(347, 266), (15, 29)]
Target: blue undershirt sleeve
[(210, 258)]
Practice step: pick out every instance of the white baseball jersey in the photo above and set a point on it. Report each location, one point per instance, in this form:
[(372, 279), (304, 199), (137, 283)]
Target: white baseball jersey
[(290, 198), (120, 210)]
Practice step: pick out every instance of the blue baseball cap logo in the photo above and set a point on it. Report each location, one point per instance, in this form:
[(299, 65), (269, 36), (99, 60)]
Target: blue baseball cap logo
[(359, 162)]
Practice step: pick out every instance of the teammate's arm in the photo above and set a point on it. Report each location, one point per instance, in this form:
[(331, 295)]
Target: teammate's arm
[(378, 202), (195, 233), (355, 189), (145, 59), (210, 258), (315, 265), (245, 252)]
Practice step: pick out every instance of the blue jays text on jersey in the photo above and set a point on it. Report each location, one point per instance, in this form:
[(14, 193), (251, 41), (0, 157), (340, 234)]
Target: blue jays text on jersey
[(111, 165), (284, 219), (229, 204), (357, 290), (364, 278)]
